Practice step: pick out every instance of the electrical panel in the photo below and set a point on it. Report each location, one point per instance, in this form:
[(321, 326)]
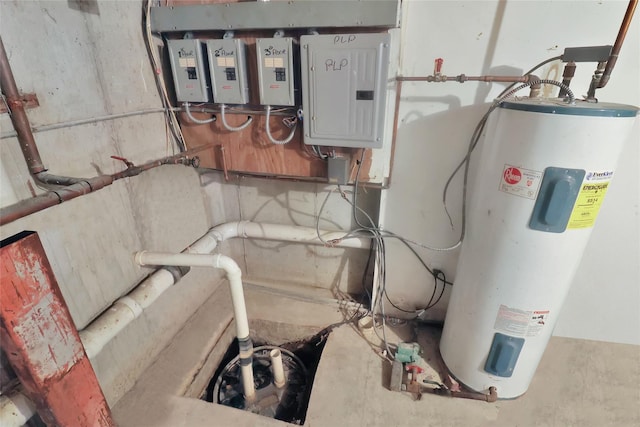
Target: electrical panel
[(276, 71), (344, 89), (188, 66), (228, 70)]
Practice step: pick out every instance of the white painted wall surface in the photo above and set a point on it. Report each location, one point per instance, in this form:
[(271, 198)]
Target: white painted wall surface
[(437, 119)]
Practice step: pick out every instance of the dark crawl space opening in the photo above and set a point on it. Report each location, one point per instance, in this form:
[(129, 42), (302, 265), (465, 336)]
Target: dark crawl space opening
[(300, 359)]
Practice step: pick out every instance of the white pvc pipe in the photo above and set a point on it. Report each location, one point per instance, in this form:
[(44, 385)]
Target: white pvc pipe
[(296, 234), (15, 410), (277, 369), (234, 275), (126, 309)]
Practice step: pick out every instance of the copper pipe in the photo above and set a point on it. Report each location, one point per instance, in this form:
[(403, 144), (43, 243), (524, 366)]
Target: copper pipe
[(35, 204), (463, 78), (567, 76), (71, 187), (491, 397), (18, 115), (622, 33), (85, 186), (22, 127)]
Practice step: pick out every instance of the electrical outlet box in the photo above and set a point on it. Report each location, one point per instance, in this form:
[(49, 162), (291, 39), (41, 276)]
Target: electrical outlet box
[(276, 71), (338, 170), (228, 69), (344, 89), (188, 66)]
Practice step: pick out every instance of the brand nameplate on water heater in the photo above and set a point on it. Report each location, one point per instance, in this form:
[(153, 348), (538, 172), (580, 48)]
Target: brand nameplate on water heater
[(519, 181)]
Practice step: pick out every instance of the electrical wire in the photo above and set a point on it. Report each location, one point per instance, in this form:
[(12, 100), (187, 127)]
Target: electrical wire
[(535, 67), (233, 128), (474, 142), (268, 129), (378, 235), (187, 110), (170, 115)]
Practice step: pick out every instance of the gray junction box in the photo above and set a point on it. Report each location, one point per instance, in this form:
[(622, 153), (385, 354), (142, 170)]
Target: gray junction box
[(344, 88), (275, 71), (228, 69), (188, 66)]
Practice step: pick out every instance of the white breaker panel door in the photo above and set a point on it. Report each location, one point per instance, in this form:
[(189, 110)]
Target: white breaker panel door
[(344, 89)]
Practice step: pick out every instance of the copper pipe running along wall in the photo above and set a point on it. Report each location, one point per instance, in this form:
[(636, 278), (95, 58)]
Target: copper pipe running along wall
[(18, 115), (622, 33), (71, 187), (35, 204), (464, 78), (22, 126)]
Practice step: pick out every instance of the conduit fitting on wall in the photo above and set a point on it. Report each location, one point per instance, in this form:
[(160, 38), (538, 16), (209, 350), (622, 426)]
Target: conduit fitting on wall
[(234, 276)]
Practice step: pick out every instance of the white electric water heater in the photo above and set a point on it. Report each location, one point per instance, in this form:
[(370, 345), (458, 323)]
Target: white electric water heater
[(544, 171)]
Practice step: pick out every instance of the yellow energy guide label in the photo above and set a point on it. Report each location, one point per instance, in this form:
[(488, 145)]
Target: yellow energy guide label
[(589, 200)]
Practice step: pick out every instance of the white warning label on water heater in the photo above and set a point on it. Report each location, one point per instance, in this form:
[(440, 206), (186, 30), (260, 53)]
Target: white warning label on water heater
[(520, 181), (520, 323)]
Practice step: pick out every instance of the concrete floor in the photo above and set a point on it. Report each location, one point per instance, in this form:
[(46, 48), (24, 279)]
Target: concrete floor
[(579, 383)]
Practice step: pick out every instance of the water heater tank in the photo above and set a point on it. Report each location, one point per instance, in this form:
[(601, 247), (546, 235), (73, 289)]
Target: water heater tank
[(543, 173)]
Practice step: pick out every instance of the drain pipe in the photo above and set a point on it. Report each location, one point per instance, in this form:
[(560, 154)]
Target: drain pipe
[(131, 306), (234, 275), (277, 369), (126, 309)]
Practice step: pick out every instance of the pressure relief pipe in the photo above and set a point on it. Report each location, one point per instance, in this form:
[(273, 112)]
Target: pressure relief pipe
[(234, 275)]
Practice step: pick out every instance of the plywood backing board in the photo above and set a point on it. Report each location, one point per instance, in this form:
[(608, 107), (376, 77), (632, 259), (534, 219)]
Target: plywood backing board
[(249, 151)]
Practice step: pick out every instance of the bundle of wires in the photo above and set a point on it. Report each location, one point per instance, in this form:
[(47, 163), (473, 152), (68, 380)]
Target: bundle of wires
[(171, 120), (378, 235)]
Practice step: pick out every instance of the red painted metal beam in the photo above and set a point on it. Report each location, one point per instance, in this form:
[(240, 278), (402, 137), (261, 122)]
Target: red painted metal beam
[(41, 341)]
